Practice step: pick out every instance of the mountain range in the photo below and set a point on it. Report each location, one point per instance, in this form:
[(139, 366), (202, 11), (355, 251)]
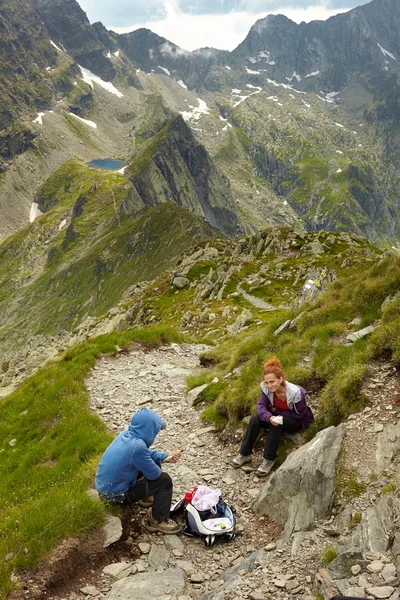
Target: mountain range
[(300, 121)]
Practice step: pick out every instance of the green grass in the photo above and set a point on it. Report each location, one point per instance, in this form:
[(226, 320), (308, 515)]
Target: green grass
[(45, 473), (329, 555), (389, 488)]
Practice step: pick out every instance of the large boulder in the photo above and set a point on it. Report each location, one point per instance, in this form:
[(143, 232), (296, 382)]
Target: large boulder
[(377, 527), (170, 583), (302, 490), (388, 446)]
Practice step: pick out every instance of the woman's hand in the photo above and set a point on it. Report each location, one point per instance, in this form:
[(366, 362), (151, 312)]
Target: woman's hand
[(272, 421)]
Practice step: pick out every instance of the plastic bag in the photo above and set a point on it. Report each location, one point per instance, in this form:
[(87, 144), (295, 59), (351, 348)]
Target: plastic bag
[(206, 498)]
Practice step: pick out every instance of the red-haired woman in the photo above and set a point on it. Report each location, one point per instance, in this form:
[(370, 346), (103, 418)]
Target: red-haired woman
[(281, 408)]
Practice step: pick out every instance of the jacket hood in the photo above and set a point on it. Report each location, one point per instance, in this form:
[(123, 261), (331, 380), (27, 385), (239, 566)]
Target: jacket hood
[(145, 425), (293, 394)]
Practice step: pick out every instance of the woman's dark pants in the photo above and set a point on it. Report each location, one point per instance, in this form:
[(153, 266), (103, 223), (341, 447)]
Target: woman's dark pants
[(254, 427), (160, 488)]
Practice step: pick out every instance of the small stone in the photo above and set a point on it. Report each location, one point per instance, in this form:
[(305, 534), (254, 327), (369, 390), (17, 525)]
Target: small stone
[(388, 571), (292, 585), (270, 547), (355, 592), (119, 570), (141, 567), (355, 569), (112, 530), (375, 567), (385, 591), (90, 590), (144, 547), (198, 578), (378, 427), (257, 595), (228, 480), (279, 583)]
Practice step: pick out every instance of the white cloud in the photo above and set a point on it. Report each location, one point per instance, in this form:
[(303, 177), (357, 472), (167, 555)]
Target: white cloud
[(225, 31)]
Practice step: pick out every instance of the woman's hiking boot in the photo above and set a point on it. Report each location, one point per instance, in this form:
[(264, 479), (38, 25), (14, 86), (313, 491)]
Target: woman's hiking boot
[(241, 460), (265, 467)]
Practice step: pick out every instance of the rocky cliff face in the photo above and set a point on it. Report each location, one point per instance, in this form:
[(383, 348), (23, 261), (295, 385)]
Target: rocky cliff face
[(33, 71), (173, 166), (68, 24)]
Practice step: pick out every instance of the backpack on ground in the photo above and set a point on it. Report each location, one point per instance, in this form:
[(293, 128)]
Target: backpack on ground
[(206, 515)]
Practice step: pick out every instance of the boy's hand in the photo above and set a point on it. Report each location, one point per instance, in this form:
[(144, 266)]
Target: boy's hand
[(175, 456)]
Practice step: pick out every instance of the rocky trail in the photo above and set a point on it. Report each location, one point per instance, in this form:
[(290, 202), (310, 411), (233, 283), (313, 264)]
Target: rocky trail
[(258, 564)]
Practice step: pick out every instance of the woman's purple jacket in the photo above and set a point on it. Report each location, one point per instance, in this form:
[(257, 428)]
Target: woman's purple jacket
[(296, 401)]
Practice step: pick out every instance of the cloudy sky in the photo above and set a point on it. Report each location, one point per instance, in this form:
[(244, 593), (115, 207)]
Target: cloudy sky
[(198, 23)]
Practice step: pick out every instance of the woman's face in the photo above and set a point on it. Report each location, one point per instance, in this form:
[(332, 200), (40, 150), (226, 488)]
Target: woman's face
[(273, 382)]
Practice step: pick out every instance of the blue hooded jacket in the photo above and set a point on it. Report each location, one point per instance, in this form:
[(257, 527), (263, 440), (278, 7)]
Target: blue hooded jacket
[(128, 454)]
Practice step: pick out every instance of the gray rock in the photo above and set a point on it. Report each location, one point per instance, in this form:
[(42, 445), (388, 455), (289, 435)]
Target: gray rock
[(388, 571), (195, 395), (171, 582), (144, 547), (384, 591), (180, 282), (233, 575), (112, 530), (306, 481), (325, 584), (388, 446), (377, 524), (186, 566), (158, 556), (173, 542), (89, 590), (357, 335), (240, 322), (339, 568), (396, 551), (375, 567), (119, 570), (284, 326), (355, 591)]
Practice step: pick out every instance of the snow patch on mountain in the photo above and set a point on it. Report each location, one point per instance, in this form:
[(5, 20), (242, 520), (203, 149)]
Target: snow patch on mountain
[(250, 72), (91, 78), (55, 46), (196, 112), (386, 53), (165, 70), (180, 82), (35, 212), (313, 74), (39, 119), (86, 121), (294, 76)]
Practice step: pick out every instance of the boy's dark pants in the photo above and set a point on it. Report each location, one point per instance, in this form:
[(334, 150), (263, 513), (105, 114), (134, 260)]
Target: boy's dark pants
[(160, 488), (254, 427)]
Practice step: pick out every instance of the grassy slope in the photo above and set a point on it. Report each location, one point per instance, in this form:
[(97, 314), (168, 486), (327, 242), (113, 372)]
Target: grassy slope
[(50, 445), (60, 277), (44, 474), (316, 160)]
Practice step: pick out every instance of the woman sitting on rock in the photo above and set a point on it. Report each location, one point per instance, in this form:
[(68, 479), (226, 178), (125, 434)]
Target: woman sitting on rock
[(281, 408)]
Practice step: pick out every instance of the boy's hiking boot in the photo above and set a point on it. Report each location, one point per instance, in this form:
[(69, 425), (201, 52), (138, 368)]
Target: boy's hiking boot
[(146, 502), (241, 460), (168, 526), (265, 467)]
